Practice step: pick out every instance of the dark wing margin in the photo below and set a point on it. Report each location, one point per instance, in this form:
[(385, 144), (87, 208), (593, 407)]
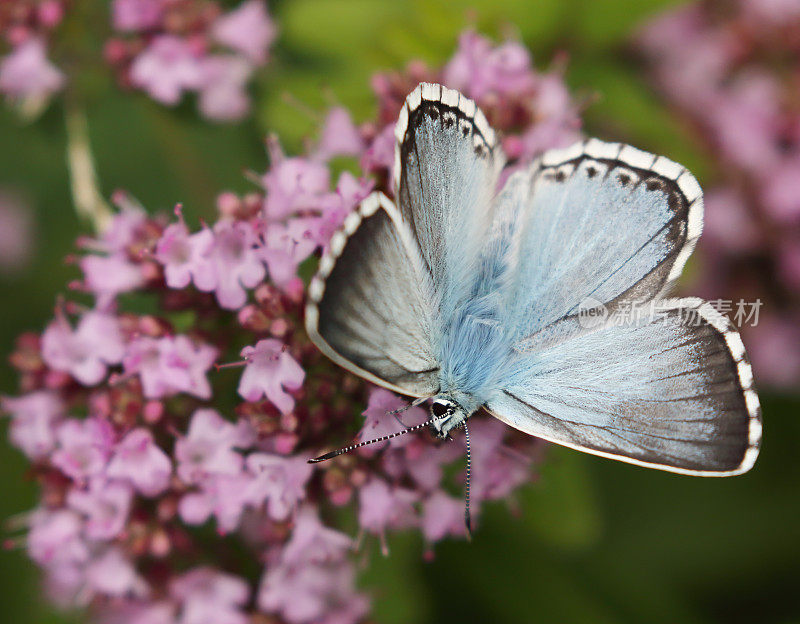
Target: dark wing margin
[(674, 394), (447, 166), (661, 173), (648, 168), (369, 305)]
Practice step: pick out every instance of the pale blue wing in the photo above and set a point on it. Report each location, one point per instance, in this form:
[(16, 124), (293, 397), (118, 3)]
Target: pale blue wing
[(599, 224), (671, 390), (369, 306), (447, 164)]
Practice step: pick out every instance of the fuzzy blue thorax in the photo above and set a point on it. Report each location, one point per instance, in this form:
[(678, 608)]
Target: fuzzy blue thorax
[(473, 343)]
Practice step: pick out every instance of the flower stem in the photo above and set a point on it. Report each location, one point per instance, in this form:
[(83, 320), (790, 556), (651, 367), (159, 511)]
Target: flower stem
[(86, 197)]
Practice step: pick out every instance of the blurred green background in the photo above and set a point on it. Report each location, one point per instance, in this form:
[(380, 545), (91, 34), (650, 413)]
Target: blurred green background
[(591, 540)]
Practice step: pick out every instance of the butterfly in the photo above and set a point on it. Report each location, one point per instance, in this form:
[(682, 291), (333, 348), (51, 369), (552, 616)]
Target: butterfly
[(517, 299)]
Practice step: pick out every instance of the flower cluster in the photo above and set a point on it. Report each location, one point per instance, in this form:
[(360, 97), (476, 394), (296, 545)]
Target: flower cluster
[(163, 47), (140, 446), (732, 69), (171, 47), (26, 74)]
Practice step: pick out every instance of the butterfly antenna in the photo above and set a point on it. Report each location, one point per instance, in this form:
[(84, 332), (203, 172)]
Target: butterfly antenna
[(352, 447), (467, 518), (414, 403), (395, 413)]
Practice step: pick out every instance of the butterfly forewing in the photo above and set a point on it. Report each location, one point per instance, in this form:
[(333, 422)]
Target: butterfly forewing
[(602, 224), (447, 168)]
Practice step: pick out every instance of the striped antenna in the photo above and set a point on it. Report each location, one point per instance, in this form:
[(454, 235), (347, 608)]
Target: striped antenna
[(347, 449), (467, 518)]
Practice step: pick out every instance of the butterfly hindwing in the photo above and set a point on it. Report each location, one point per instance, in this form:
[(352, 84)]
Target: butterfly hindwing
[(670, 390), (369, 306)]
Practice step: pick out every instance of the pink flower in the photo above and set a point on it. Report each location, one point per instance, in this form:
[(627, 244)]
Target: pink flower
[(185, 257), (236, 262), (281, 481), (166, 69), (286, 246), (65, 584), (312, 581), (780, 192), (691, 60), (270, 372), (772, 12), (379, 156), (50, 13), (85, 352), (747, 121), (113, 574), (124, 227), (223, 89), (350, 191), (557, 124), (211, 597), (109, 276), (442, 515), (685, 23), (84, 447), (55, 538), (728, 222), (496, 469), (313, 542), (209, 446), (138, 460), (425, 462), (379, 422), (478, 68), (789, 264), (170, 365), (179, 43), (340, 137), (293, 185), (382, 507), (225, 496), (316, 593), (136, 14), (34, 417), (247, 29), (26, 72), (224, 260), (775, 350), (106, 505), (138, 612)]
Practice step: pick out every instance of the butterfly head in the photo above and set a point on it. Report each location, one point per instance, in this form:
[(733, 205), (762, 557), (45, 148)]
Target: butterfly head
[(448, 415)]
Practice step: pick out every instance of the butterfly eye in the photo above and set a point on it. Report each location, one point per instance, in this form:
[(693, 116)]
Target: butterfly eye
[(440, 409)]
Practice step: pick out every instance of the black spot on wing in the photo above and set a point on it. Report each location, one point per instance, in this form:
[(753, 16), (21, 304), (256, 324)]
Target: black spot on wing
[(451, 118)]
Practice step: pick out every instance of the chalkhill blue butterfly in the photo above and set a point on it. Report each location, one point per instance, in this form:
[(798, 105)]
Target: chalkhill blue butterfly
[(542, 300)]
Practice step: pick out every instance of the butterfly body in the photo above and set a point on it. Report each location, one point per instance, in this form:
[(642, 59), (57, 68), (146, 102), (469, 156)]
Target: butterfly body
[(518, 299)]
